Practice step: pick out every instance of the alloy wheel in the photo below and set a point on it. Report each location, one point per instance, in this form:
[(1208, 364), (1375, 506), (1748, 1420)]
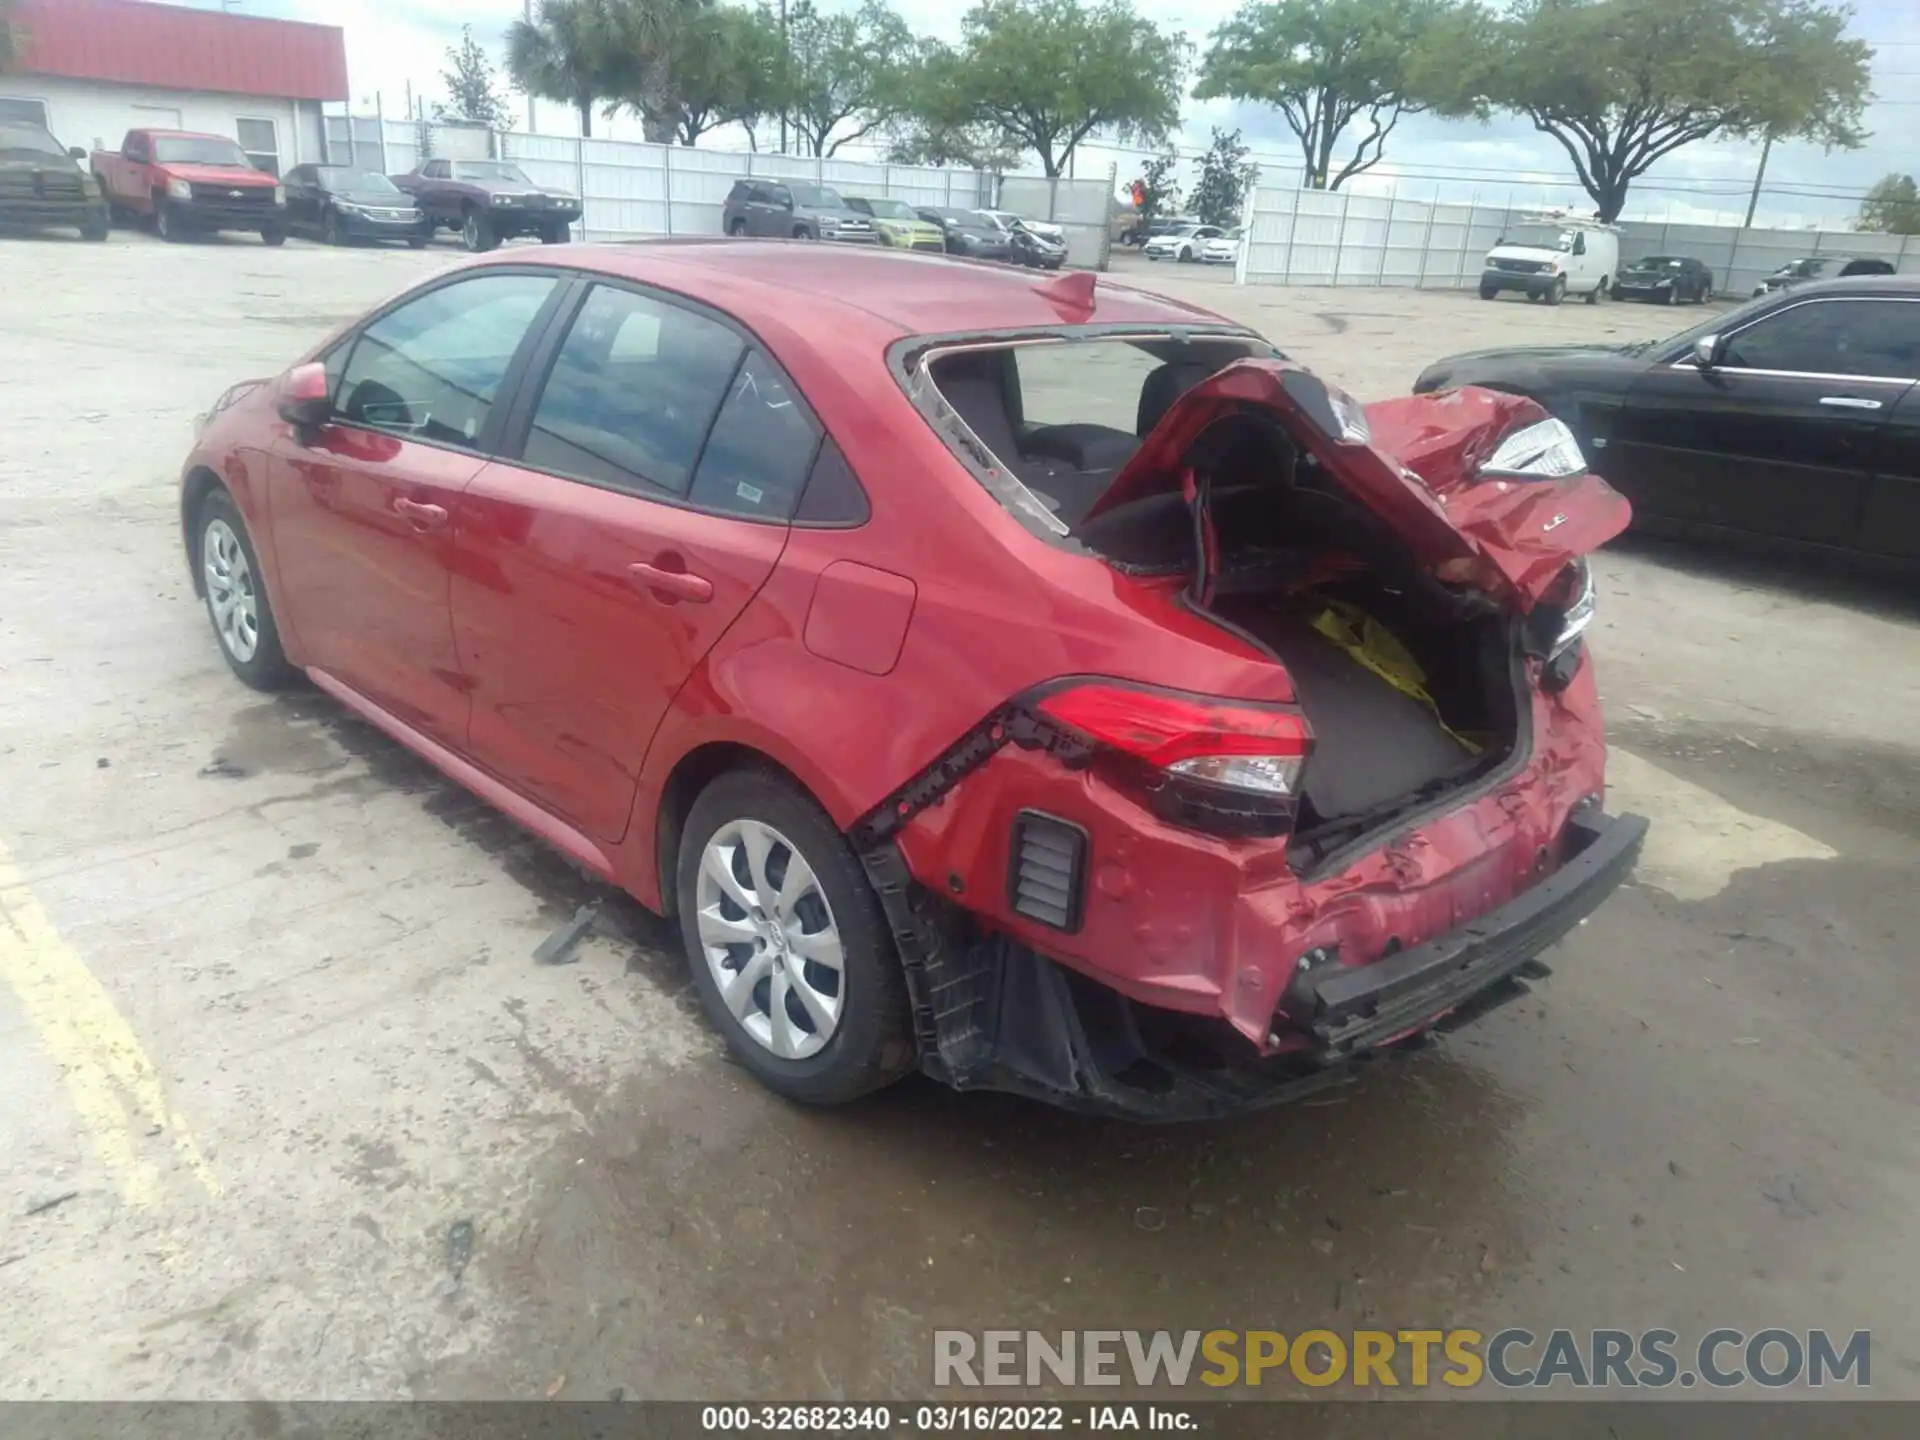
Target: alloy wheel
[(769, 939), (230, 590)]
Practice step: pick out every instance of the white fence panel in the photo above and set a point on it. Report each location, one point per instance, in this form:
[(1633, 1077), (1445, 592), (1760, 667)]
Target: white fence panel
[(697, 183), (402, 146), (1312, 237), (1081, 208)]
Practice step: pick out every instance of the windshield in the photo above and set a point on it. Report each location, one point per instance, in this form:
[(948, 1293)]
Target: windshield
[(24, 140), (199, 150), (361, 182), (1659, 262), (1539, 237), (490, 170), (891, 209), (1681, 343), (818, 197), (1804, 269)]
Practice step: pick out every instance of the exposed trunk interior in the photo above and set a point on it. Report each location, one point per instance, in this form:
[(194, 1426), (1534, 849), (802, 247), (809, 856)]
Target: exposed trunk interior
[(1413, 690)]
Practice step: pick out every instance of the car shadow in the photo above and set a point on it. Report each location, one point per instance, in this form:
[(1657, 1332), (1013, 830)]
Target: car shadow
[(1871, 586)]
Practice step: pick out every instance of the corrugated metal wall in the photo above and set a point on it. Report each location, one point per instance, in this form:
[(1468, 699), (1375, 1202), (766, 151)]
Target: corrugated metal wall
[(1317, 237)]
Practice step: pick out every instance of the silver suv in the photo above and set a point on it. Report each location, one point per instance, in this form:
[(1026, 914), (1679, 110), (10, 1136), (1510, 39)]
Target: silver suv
[(794, 210)]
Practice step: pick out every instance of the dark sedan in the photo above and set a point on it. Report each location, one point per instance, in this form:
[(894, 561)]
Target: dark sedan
[(1793, 420), (969, 233), (1821, 267), (341, 205), (1665, 280)]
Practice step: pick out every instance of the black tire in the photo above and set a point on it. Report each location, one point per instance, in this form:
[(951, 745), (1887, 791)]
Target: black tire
[(275, 235), (167, 224), (801, 232), (1185, 257), (872, 1043), (476, 233), (1598, 293), (266, 668), (1488, 292), (1557, 292), (556, 234), (418, 242), (95, 230), (330, 230), (737, 229)]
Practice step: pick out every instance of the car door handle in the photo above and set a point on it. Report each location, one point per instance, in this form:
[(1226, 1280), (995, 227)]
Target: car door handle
[(678, 583), (1849, 402), (421, 517)]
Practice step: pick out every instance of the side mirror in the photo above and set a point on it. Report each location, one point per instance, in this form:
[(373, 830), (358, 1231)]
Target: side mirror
[(74, 152), (1706, 351), (305, 401)]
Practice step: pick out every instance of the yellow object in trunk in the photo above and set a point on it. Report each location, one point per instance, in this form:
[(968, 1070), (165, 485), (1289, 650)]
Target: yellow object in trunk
[(1376, 648)]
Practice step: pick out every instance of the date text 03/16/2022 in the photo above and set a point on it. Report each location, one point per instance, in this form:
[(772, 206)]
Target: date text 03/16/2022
[(947, 1419)]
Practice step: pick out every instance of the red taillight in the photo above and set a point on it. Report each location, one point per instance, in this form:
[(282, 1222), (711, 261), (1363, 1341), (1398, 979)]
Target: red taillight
[(1202, 745)]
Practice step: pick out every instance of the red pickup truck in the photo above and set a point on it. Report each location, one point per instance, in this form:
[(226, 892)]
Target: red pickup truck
[(188, 184)]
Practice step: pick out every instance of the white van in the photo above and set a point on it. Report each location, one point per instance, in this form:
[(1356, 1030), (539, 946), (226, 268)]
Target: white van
[(1552, 256)]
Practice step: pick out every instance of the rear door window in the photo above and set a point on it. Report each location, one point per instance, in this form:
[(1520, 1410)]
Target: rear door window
[(632, 394), (762, 447), (432, 367), (1868, 338)]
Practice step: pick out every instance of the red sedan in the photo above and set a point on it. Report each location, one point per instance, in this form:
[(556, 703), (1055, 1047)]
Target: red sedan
[(1034, 682)]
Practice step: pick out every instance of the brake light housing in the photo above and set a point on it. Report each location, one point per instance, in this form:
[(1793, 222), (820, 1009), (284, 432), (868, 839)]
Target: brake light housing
[(1201, 761)]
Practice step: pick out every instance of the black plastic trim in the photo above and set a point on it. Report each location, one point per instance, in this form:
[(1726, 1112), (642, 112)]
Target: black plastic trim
[(1035, 822)]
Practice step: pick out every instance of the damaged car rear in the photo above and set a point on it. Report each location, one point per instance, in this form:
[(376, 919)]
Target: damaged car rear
[(1358, 805), (1038, 683)]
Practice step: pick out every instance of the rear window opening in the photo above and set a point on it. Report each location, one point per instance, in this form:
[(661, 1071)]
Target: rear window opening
[(1048, 422), (1414, 691)]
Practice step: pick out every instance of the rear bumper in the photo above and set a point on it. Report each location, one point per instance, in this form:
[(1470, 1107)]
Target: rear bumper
[(993, 1014), (1347, 1009)]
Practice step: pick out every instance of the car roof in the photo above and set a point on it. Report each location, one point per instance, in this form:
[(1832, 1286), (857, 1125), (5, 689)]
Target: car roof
[(1859, 286), (813, 287)]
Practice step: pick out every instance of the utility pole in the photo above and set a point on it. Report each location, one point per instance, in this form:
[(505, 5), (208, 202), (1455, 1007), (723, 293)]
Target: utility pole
[(531, 127), (786, 70), (1753, 200)]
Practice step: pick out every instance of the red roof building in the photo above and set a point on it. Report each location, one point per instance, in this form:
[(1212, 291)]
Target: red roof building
[(91, 69)]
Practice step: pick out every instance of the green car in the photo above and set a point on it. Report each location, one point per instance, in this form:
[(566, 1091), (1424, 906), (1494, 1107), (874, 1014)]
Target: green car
[(898, 225)]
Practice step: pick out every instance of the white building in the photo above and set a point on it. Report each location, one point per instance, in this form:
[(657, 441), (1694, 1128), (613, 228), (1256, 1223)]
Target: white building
[(91, 70)]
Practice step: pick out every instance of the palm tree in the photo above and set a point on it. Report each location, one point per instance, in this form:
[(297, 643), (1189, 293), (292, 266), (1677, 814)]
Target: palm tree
[(654, 43), (565, 54)]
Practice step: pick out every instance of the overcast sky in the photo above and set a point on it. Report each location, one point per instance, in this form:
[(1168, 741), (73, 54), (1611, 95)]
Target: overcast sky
[(392, 42)]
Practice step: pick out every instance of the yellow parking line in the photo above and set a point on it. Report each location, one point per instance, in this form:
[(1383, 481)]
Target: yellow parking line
[(113, 1085)]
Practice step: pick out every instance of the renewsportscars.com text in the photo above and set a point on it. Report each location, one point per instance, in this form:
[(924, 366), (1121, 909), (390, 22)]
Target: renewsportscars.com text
[(1510, 1359)]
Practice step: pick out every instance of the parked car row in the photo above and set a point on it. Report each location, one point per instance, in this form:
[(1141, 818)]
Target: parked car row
[(797, 210)]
